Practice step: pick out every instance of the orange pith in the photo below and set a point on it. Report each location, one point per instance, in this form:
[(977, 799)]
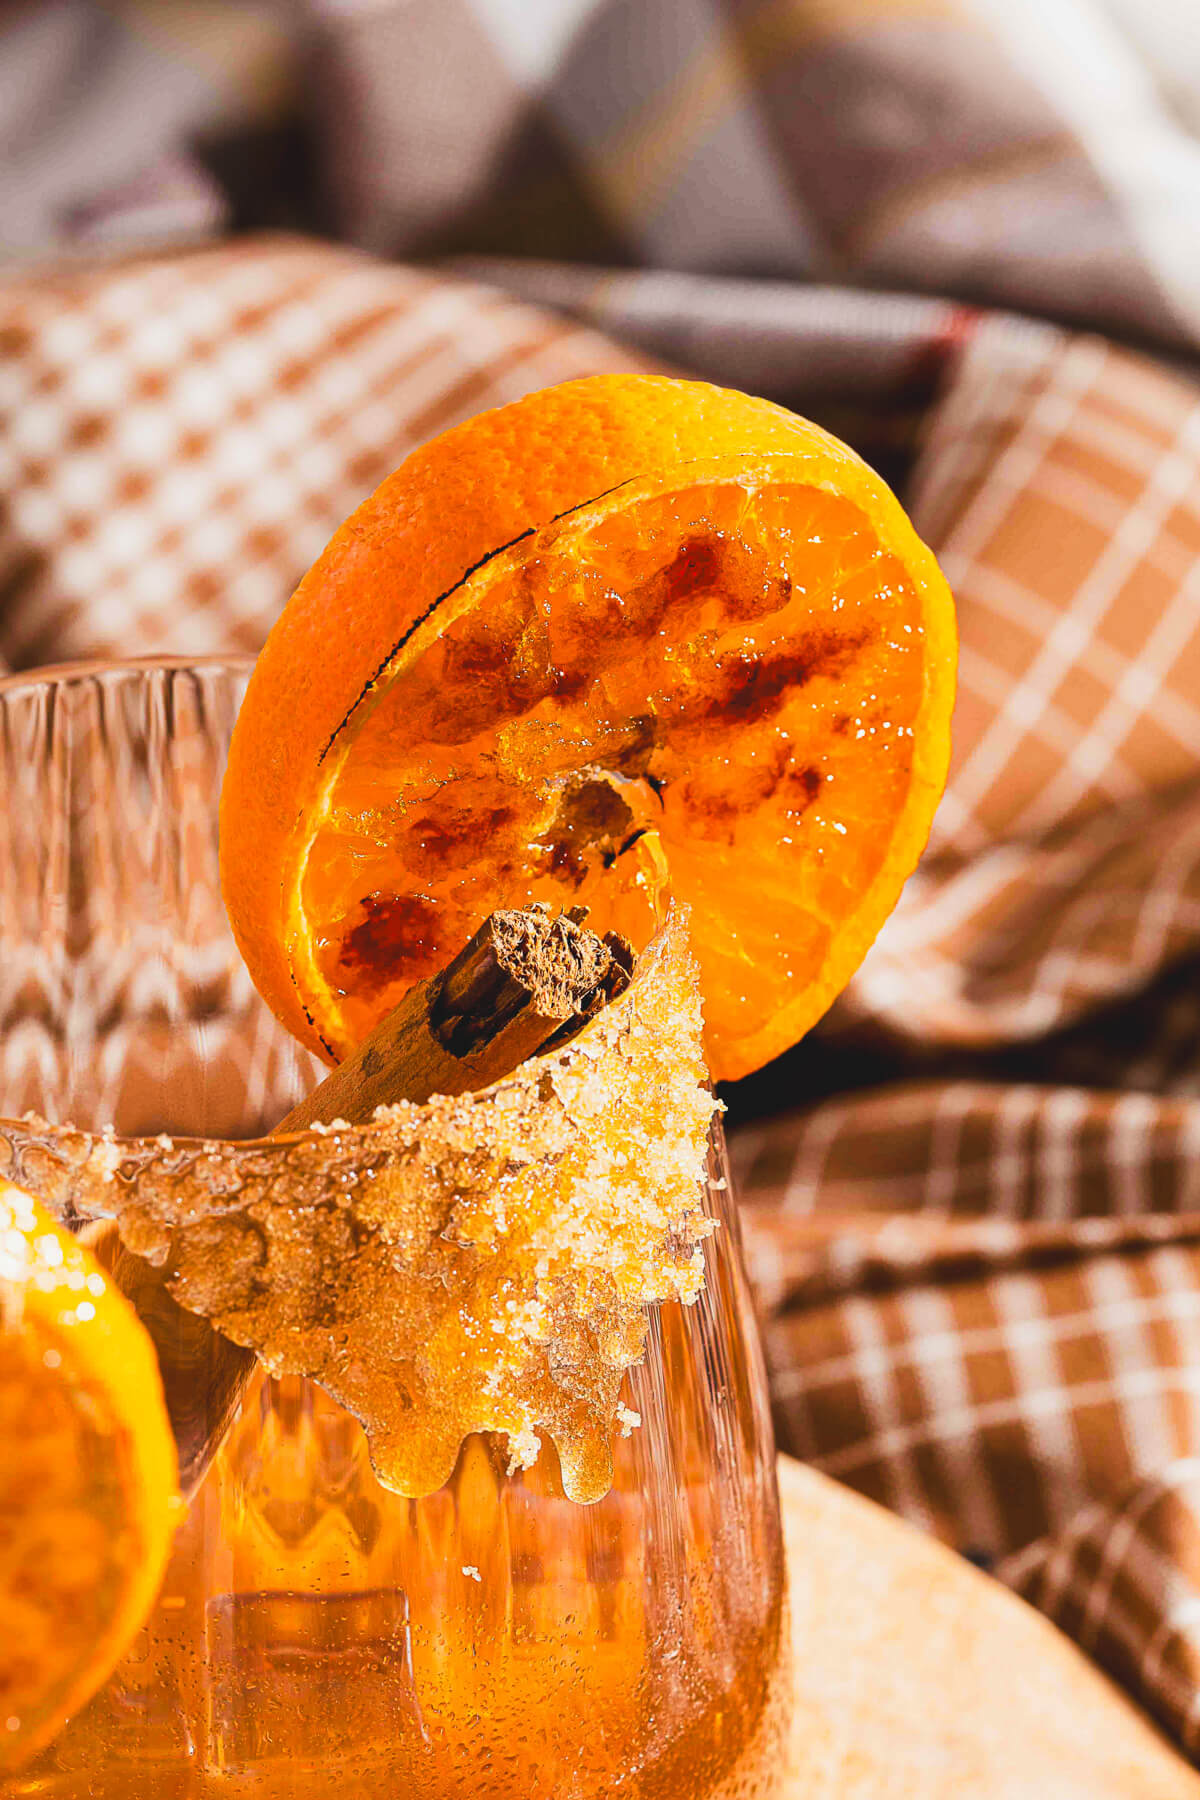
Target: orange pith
[(622, 606), (87, 1477)]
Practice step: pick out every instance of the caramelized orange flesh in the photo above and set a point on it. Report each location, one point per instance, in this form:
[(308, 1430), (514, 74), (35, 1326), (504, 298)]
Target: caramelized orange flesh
[(737, 667)]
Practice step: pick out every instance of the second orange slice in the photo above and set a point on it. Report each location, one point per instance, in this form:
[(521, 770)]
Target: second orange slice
[(623, 606), (88, 1503)]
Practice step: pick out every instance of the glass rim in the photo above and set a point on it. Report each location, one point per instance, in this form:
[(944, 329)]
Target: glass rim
[(80, 668)]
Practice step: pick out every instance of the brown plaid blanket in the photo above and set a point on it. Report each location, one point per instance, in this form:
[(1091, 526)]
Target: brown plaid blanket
[(973, 1197)]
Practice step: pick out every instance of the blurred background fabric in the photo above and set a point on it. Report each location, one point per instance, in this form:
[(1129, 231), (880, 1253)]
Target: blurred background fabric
[(255, 253), (1040, 154)]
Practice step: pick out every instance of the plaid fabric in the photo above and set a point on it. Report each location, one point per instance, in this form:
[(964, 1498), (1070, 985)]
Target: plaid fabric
[(179, 438), (894, 145), (983, 1294), (1034, 153), (897, 145), (980, 1276)]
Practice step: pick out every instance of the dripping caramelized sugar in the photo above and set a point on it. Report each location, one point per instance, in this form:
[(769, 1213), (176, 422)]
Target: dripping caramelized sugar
[(480, 1263)]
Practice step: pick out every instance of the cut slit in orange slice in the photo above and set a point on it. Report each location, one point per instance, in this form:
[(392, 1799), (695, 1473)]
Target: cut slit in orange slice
[(745, 652)]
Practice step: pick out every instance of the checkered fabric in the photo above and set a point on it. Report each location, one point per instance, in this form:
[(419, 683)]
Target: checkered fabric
[(983, 1295), (1034, 153), (1043, 154), (979, 1260), (180, 437)]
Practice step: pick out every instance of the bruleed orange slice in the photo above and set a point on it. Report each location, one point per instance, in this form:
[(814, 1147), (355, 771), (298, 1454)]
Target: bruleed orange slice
[(623, 606), (88, 1501)]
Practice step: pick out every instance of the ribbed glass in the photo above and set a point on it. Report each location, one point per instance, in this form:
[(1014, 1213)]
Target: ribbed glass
[(315, 1635)]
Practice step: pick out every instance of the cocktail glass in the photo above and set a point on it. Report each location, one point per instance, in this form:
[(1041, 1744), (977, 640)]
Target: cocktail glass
[(315, 1634)]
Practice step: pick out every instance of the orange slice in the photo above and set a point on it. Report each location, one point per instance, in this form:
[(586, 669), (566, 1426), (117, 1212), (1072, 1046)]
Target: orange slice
[(88, 1500), (621, 606)]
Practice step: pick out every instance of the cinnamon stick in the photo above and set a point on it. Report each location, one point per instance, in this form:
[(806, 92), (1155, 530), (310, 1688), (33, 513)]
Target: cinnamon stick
[(526, 979), (523, 977)]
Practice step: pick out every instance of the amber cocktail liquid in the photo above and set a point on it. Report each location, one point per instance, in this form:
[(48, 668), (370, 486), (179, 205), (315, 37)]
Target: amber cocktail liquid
[(315, 1634)]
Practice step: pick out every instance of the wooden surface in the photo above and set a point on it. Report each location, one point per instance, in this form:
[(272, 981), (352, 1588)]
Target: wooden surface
[(918, 1678)]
